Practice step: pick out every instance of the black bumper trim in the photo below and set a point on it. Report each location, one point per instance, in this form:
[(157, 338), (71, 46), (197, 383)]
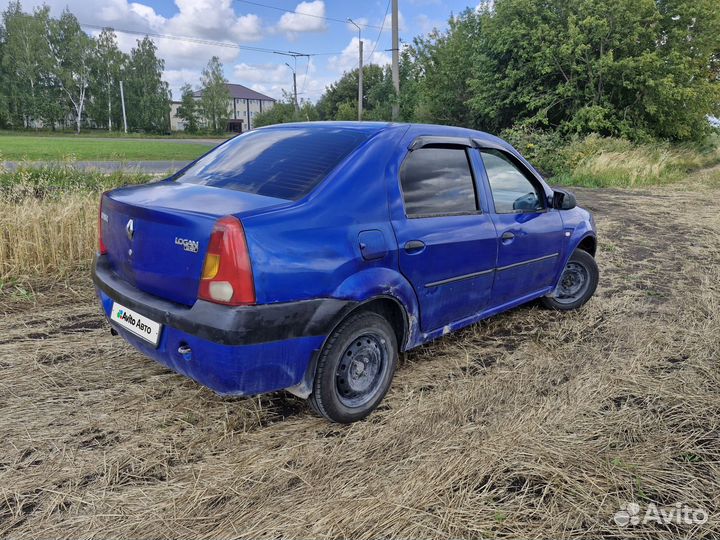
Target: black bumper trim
[(227, 325)]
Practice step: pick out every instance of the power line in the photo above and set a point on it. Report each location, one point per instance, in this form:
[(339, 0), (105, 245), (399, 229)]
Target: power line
[(276, 8), (206, 41), (387, 8)]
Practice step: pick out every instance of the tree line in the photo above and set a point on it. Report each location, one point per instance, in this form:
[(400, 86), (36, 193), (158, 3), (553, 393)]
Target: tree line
[(638, 69), (53, 74)]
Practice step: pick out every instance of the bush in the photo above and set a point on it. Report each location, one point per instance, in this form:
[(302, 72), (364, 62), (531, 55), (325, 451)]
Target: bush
[(541, 148)]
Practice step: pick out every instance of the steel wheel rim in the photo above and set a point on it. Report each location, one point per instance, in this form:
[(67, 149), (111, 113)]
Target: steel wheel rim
[(361, 368), (574, 282)]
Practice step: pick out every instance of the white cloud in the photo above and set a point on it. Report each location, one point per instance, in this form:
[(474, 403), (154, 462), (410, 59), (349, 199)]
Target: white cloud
[(213, 19), (305, 18), (203, 19), (146, 12), (176, 78), (274, 79), (275, 74), (347, 60)]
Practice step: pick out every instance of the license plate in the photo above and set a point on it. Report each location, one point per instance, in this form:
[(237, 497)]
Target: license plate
[(135, 323)]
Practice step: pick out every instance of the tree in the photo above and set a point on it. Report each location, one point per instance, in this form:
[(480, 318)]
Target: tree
[(442, 71), (188, 109), (215, 96), (341, 96), (71, 52), (107, 67), (634, 68), (25, 63), (147, 95), (284, 111)]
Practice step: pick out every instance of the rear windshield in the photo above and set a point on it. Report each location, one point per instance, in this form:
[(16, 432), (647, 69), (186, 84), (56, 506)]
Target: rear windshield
[(286, 163)]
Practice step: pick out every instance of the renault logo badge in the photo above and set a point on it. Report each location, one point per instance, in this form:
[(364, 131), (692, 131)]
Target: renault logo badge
[(130, 229)]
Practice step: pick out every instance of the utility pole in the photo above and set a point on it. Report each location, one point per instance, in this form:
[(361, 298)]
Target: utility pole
[(395, 61), (294, 86), (360, 70), (122, 100)]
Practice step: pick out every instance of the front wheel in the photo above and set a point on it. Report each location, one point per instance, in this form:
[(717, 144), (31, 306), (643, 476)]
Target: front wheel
[(355, 368), (577, 283)]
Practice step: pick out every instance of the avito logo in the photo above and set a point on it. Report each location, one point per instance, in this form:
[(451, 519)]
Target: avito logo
[(137, 323)]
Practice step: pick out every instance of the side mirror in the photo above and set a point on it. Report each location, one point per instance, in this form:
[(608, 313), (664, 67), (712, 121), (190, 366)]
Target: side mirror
[(563, 199)]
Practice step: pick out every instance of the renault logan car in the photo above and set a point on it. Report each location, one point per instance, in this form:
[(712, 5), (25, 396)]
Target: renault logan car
[(306, 256)]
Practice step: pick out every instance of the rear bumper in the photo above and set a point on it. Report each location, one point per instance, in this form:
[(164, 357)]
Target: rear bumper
[(240, 350)]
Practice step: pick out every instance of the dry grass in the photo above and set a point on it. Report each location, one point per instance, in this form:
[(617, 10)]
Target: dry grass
[(605, 162), (48, 218), (47, 236), (533, 424)]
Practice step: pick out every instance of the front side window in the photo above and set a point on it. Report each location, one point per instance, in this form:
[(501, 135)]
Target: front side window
[(512, 191), (437, 181)]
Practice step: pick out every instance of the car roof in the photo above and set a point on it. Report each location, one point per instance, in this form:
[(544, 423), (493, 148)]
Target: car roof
[(417, 130)]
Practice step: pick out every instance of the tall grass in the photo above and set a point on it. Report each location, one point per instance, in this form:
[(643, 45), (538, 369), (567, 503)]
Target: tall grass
[(606, 162), (595, 161), (58, 180), (47, 236), (48, 219)]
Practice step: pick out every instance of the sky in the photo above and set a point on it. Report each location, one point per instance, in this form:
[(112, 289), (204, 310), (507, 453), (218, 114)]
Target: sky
[(334, 44)]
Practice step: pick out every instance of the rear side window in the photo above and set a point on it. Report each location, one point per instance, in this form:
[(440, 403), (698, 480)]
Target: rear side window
[(286, 163), (437, 181)]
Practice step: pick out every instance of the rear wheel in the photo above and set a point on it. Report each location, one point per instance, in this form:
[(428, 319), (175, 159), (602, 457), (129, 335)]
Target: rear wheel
[(355, 368), (577, 283)]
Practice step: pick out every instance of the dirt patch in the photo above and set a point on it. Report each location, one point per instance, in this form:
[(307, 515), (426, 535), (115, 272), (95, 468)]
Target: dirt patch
[(529, 424)]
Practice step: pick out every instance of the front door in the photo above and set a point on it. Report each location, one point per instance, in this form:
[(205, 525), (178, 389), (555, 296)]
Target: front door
[(530, 235), (447, 245)]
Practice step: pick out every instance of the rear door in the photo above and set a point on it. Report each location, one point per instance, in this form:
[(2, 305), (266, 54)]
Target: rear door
[(530, 234), (447, 245)]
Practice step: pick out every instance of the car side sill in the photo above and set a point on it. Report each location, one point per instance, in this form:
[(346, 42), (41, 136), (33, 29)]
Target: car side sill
[(472, 319)]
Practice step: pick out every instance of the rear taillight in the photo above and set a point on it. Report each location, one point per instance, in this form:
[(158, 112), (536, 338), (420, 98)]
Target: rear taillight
[(102, 249), (227, 274)]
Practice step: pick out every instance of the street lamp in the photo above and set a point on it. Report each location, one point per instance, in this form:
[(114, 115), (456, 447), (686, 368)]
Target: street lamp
[(360, 70), (294, 85)]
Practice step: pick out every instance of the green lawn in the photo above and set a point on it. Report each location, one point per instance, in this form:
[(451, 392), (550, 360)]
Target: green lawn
[(23, 147), (102, 133)]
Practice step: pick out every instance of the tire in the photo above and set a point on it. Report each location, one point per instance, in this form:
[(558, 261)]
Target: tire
[(355, 368), (581, 273)]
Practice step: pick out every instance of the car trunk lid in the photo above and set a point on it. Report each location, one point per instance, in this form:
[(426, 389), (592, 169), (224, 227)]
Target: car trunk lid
[(157, 234)]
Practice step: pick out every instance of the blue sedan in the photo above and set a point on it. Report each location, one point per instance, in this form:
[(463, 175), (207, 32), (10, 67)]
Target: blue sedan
[(306, 256)]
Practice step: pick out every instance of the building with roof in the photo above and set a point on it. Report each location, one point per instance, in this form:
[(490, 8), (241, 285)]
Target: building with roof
[(243, 105)]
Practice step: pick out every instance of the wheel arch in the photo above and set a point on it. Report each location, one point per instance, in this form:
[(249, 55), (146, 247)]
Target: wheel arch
[(588, 243), (381, 290)]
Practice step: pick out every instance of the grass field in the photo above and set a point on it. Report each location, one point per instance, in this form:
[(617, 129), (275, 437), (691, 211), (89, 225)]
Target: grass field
[(101, 133), (533, 424), (23, 147)]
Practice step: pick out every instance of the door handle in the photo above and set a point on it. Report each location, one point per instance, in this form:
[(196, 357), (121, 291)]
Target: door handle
[(507, 236), (414, 246)]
